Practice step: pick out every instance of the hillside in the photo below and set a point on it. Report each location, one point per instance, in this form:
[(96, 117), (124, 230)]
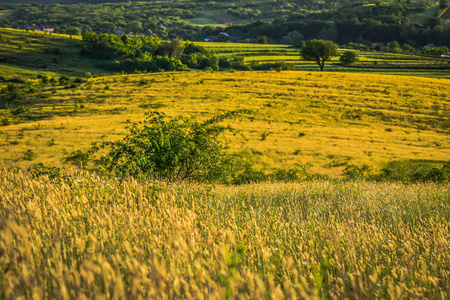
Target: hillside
[(329, 120), (288, 22), (48, 108)]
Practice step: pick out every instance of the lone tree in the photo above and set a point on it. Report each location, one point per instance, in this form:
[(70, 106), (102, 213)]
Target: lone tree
[(319, 51)]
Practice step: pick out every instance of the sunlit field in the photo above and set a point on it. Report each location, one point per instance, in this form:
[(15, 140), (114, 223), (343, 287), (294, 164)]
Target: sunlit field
[(84, 236), (330, 119)]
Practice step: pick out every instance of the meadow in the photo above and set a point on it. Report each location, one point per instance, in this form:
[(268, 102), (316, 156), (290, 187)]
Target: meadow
[(84, 236), (72, 233), (328, 119)]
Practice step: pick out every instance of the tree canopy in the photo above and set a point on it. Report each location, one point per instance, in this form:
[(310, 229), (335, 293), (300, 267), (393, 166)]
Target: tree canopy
[(318, 51)]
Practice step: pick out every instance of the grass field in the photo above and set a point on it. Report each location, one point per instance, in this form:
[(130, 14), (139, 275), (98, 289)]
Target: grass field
[(331, 120), (69, 233), (370, 62), (89, 237), (24, 50), (40, 52), (328, 119)]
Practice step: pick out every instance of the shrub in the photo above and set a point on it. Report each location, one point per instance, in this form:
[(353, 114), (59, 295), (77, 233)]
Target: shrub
[(352, 172), (171, 148), (349, 58)]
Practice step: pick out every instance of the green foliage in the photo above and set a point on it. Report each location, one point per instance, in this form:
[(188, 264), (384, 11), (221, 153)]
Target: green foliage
[(442, 50), (443, 4), (53, 173), (353, 172), (320, 275), (349, 58), (318, 51), (278, 66), (412, 171), (394, 47), (90, 36), (171, 148)]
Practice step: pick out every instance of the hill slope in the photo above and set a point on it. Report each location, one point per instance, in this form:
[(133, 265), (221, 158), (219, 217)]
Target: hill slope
[(330, 120)]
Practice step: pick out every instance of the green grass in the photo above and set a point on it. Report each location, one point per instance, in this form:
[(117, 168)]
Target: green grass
[(39, 52)]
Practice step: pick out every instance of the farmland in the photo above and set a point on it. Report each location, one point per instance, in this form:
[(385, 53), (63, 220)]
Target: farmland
[(71, 231), (329, 119)]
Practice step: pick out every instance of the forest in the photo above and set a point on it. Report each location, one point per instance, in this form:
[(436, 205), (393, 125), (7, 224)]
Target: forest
[(416, 23)]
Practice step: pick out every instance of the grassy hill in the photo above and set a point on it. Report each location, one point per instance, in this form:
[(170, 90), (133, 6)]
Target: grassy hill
[(44, 53), (73, 233), (330, 119)]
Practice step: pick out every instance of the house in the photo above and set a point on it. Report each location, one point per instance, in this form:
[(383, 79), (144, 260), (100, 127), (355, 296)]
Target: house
[(379, 44), (42, 28), (47, 28), (210, 38), (118, 31), (222, 36)]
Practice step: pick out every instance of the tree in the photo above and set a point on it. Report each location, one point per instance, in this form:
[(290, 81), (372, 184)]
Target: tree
[(171, 148), (73, 31), (173, 48), (134, 27), (90, 36), (394, 47), (443, 4), (349, 58), (318, 51)]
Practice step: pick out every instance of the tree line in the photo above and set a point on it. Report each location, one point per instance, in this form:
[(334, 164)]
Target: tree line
[(338, 21)]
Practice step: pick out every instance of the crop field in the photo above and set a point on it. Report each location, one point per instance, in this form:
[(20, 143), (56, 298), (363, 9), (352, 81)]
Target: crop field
[(83, 236), (329, 119), (20, 49), (369, 62)]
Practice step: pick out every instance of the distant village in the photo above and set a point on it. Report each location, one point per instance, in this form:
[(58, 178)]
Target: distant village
[(43, 28)]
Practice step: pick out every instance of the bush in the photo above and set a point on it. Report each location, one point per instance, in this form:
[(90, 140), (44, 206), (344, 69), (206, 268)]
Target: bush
[(412, 171), (349, 58), (171, 148)]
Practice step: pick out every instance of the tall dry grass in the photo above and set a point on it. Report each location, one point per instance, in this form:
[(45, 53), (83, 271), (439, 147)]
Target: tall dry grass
[(90, 237)]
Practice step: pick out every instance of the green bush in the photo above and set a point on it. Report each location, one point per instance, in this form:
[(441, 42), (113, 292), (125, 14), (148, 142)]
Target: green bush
[(412, 171), (348, 58), (171, 148)]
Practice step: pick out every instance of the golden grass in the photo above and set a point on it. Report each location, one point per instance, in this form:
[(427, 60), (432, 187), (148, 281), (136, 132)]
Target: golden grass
[(328, 119), (89, 237)]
